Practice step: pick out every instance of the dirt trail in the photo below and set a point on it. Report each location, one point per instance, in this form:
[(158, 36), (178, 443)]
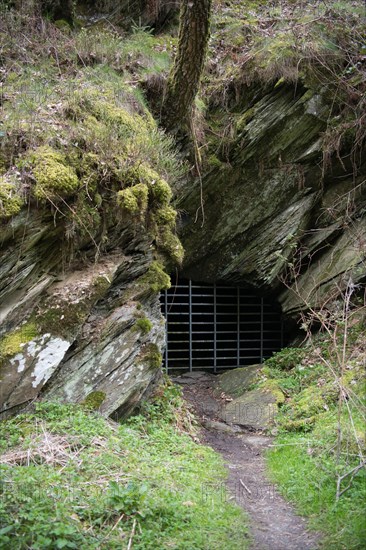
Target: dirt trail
[(273, 522)]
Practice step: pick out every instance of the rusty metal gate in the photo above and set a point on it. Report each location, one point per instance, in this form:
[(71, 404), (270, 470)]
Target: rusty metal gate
[(215, 327)]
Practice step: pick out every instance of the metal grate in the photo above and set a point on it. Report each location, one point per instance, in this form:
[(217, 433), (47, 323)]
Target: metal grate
[(216, 327)]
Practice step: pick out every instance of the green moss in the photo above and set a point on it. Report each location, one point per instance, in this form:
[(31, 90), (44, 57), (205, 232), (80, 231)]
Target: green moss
[(244, 119), (87, 166), (94, 400), (11, 343), (214, 162), (84, 216), (155, 279), (286, 359), (160, 191), (152, 356), (10, 201), (63, 319), (127, 200), (134, 199), (300, 424), (273, 387), (170, 244), (166, 215), (304, 409), (141, 192), (144, 325), (54, 178)]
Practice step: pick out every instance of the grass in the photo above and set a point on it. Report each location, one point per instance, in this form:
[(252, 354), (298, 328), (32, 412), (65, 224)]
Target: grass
[(309, 482), (70, 479), (321, 434), (257, 46)]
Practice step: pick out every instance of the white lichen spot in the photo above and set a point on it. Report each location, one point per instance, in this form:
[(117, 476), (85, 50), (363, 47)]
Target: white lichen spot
[(48, 359), (19, 361)]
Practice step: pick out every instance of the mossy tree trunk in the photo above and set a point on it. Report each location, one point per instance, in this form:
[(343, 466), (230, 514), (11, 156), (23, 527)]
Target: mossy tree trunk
[(184, 79)]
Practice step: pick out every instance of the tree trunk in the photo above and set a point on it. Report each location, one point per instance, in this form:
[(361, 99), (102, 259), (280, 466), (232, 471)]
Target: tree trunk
[(184, 79)]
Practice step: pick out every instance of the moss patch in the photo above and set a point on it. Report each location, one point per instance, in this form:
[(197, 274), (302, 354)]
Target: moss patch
[(155, 279), (12, 342), (273, 387), (54, 178), (94, 400), (134, 199), (10, 201), (144, 325), (152, 356), (166, 215)]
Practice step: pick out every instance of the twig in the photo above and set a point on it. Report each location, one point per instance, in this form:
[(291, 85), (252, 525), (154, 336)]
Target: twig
[(245, 487), (129, 546), (351, 473), (117, 522)]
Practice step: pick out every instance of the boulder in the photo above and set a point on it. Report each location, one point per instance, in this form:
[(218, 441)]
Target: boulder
[(254, 410), (236, 382)]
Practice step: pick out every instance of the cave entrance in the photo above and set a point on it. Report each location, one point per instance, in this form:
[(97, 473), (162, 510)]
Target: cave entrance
[(216, 327)]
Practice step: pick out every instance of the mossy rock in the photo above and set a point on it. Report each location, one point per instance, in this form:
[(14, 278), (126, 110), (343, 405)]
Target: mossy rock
[(13, 341), (134, 199), (54, 178), (152, 356), (166, 215), (144, 325), (274, 388), (10, 200), (254, 410), (169, 243), (303, 412), (155, 279), (236, 382), (314, 399)]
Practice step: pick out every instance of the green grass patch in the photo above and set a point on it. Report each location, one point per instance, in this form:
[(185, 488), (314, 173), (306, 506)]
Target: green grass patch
[(71, 479), (321, 434), (309, 482)]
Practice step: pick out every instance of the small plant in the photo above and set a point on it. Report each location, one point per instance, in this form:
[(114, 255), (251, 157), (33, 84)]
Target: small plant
[(144, 325), (70, 479)]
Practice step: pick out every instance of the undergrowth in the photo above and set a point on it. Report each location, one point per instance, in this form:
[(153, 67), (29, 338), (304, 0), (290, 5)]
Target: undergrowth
[(71, 479), (260, 46), (318, 458), (77, 138)]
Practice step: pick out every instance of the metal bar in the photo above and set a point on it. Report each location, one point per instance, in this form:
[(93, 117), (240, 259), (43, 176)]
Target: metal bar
[(261, 350), (238, 326), (190, 325), (215, 328), (200, 327), (166, 333)]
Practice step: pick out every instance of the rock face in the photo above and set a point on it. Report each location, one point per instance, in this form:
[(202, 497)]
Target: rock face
[(273, 208), (75, 330), (86, 233)]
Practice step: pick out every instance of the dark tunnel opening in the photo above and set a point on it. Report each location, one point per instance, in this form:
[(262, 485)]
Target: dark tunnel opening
[(215, 327)]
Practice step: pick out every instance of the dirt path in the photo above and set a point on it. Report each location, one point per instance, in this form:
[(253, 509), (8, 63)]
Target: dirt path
[(273, 522)]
